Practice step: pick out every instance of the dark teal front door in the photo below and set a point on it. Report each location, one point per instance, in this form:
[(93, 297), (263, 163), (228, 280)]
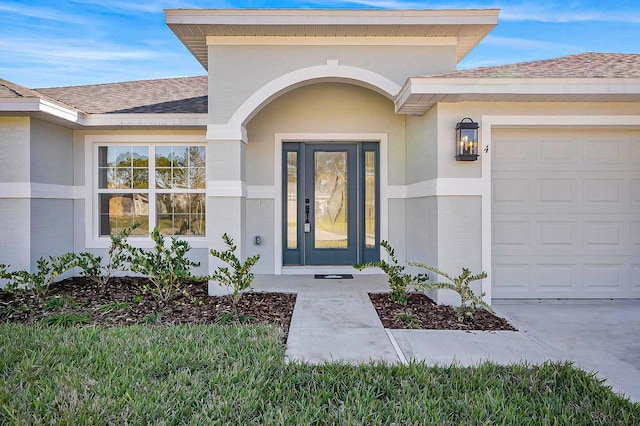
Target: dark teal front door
[(331, 203)]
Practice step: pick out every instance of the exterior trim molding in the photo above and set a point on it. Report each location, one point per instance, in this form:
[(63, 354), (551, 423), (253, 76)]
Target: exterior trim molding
[(226, 188), (30, 190), (283, 84)]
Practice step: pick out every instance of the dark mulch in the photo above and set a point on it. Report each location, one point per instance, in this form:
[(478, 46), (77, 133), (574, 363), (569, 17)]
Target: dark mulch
[(86, 297), (429, 315)]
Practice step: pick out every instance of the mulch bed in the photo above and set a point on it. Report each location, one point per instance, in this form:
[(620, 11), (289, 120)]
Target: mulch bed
[(431, 316), (87, 297)]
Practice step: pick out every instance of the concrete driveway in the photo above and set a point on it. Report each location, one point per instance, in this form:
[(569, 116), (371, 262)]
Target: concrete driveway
[(598, 335)]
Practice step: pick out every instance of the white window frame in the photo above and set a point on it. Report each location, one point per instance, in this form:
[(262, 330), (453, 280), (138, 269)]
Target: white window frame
[(92, 205)]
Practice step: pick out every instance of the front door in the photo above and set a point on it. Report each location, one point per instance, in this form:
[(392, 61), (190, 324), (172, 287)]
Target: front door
[(331, 203)]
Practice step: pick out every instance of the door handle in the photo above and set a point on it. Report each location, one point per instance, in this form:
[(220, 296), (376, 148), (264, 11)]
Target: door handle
[(307, 208)]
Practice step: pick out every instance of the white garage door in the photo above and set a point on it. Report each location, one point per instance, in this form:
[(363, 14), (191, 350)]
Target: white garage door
[(566, 213)]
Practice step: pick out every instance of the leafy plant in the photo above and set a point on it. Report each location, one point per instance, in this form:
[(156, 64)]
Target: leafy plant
[(91, 265), (58, 302), (113, 306), (469, 300), (409, 318), (66, 319), (48, 269), (399, 281), (168, 268), (237, 276), (153, 318)]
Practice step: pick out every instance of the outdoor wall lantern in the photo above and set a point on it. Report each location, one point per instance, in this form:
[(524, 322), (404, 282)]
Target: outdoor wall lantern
[(467, 140)]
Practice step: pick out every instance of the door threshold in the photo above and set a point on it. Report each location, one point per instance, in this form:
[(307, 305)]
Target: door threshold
[(327, 269)]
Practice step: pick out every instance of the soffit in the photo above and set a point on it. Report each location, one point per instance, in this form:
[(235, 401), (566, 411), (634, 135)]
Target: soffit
[(193, 26), (419, 94)]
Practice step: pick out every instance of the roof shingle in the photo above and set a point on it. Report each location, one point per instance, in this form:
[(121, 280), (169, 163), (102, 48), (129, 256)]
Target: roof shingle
[(186, 95), (583, 65)]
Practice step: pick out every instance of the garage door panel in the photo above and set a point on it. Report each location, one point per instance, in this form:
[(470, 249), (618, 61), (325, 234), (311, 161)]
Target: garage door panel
[(565, 220), (635, 277), (634, 195), (557, 236), (554, 191)]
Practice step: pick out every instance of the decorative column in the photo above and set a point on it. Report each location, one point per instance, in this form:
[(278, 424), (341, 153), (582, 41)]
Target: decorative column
[(226, 193)]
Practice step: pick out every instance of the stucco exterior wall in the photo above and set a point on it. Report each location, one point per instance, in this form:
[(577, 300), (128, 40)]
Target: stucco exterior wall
[(14, 144), (51, 154), (233, 77), (422, 146), (15, 249)]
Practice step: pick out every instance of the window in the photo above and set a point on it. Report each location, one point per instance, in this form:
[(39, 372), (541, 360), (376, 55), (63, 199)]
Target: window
[(152, 185)]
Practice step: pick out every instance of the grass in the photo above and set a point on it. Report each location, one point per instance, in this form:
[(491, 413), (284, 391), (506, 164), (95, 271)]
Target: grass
[(236, 375)]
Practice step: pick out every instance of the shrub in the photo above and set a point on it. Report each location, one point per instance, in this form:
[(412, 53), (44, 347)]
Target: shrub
[(67, 319), (167, 268), (91, 265), (48, 269), (237, 276), (469, 301), (399, 281)]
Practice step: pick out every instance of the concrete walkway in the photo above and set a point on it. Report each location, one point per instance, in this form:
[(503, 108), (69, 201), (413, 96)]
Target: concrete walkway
[(334, 320)]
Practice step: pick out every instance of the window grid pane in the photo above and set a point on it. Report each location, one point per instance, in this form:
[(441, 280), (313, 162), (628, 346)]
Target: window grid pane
[(180, 181)]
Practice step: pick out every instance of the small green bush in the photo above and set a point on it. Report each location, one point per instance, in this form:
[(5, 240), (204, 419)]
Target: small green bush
[(113, 306), (167, 268), (399, 281), (91, 265), (58, 302), (237, 276), (469, 301), (67, 319), (48, 269)]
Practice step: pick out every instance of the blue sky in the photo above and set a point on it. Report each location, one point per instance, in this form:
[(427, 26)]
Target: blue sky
[(46, 43)]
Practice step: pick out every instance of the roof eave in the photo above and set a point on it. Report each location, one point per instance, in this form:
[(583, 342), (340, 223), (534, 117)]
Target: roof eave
[(192, 26), (419, 94)]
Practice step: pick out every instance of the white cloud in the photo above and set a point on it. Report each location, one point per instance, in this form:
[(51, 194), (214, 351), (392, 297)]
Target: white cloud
[(42, 13)]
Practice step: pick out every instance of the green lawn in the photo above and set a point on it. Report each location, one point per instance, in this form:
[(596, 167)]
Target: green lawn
[(236, 375)]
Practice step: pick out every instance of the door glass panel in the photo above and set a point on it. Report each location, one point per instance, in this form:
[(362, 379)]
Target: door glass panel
[(331, 202), (292, 200), (370, 199)]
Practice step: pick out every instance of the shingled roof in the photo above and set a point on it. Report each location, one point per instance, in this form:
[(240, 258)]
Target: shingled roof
[(184, 95), (583, 65)]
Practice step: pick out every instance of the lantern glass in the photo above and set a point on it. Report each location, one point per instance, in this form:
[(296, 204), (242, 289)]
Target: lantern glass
[(467, 140)]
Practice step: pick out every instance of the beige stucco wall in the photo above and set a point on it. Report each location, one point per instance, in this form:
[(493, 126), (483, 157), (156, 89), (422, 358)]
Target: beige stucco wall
[(233, 77)]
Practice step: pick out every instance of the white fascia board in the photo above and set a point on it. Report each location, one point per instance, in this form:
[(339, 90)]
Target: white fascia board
[(330, 17), (523, 86), (39, 105), (20, 105), (95, 120)]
